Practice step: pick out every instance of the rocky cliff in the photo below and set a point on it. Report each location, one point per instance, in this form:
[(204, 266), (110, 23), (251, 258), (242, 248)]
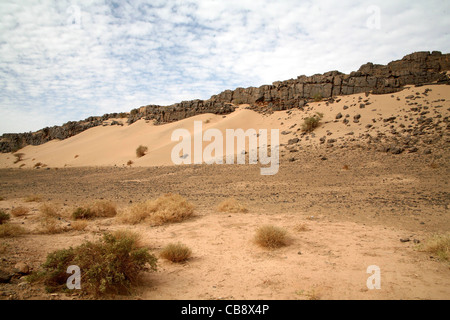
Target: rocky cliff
[(418, 68)]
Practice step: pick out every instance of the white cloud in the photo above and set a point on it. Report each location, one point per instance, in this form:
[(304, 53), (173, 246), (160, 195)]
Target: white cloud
[(66, 60)]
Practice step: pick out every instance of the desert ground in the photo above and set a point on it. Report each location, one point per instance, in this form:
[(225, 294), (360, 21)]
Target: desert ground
[(371, 190)]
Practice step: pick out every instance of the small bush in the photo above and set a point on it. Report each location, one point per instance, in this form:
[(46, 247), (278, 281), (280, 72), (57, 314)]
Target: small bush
[(141, 151), (19, 156), (19, 211), (271, 237), (231, 205), (310, 123), (438, 245), (129, 163), (167, 208), (103, 208), (110, 265), (176, 252), (4, 217), (82, 213), (10, 230)]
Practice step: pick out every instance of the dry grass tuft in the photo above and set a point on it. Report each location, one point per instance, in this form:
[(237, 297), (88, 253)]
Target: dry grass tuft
[(127, 234), (166, 209), (48, 210), (271, 237), (33, 198), (438, 245), (79, 225), (104, 208), (231, 205), (9, 230), (19, 211), (176, 252)]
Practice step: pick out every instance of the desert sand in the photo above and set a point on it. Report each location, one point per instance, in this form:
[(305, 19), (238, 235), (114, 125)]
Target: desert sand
[(345, 202)]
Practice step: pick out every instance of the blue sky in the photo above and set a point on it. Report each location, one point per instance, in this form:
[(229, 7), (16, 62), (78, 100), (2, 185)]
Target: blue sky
[(67, 60)]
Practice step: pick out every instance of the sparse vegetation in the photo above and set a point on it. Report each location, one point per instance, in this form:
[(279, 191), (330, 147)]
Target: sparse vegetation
[(10, 230), (2, 198), (79, 225), (103, 209), (82, 213), (176, 252), (345, 167), (48, 211), (438, 245), (110, 266), (129, 163), (167, 208), (231, 205), (33, 198), (318, 97), (19, 156), (141, 151), (4, 217), (271, 237), (19, 211), (310, 123)]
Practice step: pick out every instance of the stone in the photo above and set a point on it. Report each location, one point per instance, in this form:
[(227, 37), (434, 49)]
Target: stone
[(22, 268)]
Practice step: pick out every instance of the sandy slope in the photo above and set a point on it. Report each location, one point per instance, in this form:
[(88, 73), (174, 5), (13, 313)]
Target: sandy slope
[(116, 145)]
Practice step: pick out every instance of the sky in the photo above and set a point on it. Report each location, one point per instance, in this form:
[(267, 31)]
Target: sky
[(66, 60)]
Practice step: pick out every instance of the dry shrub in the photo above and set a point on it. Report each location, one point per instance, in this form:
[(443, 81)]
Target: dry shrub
[(438, 245), (345, 167), (231, 205), (33, 198), (271, 237), (11, 230), (176, 252), (79, 225), (129, 163), (19, 156), (141, 151), (19, 211), (50, 225), (167, 208), (82, 213), (47, 210), (104, 208), (310, 123)]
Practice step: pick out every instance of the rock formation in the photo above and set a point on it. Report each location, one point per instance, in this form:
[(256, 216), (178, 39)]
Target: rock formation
[(418, 68)]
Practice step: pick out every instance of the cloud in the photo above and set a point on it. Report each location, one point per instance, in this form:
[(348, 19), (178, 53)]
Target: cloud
[(66, 60)]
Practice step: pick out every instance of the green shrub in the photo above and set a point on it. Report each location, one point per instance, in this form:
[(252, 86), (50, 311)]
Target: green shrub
[(310, 123), (110, 265), (4, 217)]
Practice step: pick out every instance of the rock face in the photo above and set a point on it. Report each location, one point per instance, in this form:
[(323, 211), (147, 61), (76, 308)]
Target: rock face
[(418, 68)]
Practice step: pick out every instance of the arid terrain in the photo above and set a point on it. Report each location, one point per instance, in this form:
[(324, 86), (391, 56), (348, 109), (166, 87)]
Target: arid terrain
[(369, 186)]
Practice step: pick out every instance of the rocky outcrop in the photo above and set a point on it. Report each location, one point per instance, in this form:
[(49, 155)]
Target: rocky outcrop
[(418, 68)]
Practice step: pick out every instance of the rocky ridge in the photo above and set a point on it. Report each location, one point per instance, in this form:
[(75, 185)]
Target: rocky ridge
[(418, 69)]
